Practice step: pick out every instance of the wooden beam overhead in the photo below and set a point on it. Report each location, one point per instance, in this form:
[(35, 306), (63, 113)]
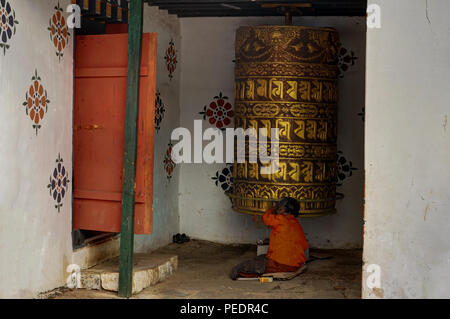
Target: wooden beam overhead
[(153, 2), (218, 8)]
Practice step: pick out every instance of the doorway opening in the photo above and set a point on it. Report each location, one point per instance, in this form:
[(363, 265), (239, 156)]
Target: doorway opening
[(207, 213)]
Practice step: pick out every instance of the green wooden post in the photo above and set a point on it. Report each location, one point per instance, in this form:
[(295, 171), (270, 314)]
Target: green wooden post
[(130, 150)]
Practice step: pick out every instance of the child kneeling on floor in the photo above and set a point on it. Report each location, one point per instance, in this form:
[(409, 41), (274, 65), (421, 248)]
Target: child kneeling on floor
[(287, 244)]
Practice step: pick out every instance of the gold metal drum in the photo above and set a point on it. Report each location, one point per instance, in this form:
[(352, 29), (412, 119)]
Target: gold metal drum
[(286, 78)]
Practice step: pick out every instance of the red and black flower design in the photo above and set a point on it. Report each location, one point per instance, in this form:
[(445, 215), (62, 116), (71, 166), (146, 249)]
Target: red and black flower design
[(59, 181), (169, 164), (160, 110), (8, 24), (36, 101), (219, 112), (171, 59), (59, 31)]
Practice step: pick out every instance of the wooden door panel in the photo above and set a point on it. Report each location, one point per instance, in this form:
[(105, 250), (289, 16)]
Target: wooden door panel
[(99, 120)]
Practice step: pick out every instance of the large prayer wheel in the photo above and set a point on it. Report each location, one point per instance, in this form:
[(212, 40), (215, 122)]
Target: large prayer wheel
[(286, 78)]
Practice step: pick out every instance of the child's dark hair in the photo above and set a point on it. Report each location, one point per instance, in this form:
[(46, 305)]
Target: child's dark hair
[(291, 204)]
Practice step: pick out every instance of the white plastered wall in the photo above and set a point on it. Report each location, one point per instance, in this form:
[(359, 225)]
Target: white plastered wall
[(35, 239), (407, 151)]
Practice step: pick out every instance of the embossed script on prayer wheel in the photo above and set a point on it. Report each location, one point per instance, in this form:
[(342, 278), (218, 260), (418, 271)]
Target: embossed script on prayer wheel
[(286, 78)]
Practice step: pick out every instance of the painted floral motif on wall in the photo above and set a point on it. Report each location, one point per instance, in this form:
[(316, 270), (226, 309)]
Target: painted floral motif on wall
[(219, 112), (8, 24), (59, 31), (169, 164), (224, 179), (344, 167), (59, 181), (36, 101), (347, 59), (171, 59), (160, 110)]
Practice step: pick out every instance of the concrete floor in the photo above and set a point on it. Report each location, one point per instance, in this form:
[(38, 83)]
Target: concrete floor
[(203, 273)]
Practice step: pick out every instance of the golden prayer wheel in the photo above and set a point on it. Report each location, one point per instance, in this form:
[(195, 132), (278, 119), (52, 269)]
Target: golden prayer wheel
[(286, 78)]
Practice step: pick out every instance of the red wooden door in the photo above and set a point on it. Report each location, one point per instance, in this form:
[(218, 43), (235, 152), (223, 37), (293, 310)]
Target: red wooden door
[(99, 119)]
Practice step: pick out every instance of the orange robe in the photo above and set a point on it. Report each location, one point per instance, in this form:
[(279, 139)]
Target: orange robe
[(287, 243)]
